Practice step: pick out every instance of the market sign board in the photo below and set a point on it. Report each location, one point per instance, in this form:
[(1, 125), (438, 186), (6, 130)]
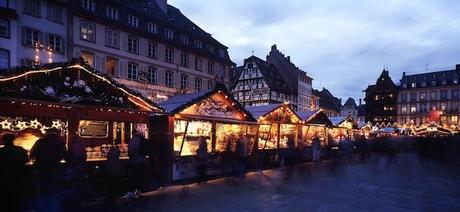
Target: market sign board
[(216, 106), (93, 129)]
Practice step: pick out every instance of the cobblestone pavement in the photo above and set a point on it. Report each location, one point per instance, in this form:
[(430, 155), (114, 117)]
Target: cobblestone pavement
[(401, 183)]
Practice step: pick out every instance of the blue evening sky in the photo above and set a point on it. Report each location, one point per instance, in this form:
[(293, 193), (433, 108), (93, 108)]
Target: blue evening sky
[(342, 44)]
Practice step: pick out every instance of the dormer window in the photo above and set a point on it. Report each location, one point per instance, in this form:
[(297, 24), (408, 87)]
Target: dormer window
[(133, 20), (112, 13), (198, 44), (152, 28), (211, 49), (221, 53), (169, 34), (89, 5), (183, 39), (413, 85)]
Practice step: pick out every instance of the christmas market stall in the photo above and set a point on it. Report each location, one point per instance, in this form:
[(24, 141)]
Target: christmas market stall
[(344, 127), (212, 115), (79, 101), (433, 130), (316, 123), (277, 123)]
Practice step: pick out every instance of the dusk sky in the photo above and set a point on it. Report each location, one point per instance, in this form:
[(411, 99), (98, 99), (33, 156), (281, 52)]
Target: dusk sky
[(342, 44)]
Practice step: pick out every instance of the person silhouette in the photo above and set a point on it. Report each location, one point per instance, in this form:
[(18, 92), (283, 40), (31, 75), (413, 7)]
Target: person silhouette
[(13, 161)]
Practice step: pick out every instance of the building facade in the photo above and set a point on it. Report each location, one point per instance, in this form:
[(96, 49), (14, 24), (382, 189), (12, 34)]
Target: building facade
[(32, 32), (381, 100), (148, 45), (349, 109), (428, 97), (276, 80), (324, 100)]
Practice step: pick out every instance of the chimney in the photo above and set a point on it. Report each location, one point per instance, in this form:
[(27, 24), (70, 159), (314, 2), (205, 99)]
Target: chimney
[(162, 4), (360, 101), (457, 67), (274, 47), (404, 73)]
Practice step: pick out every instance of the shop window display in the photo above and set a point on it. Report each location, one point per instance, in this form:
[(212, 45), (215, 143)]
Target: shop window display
[(287, 130), (187, 134), (268, 136)]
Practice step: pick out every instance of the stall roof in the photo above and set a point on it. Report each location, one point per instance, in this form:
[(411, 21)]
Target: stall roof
[(337, 120), (71, 82), (262, 110), (315, 117), (179, 103)]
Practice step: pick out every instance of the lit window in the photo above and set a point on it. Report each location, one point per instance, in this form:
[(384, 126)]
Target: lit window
[(454, 119), (414, 84), (133, 20), (443, 106), (112, 13), (87, 31), (55, 43), (133, 71), (32, 37), (89, 5)]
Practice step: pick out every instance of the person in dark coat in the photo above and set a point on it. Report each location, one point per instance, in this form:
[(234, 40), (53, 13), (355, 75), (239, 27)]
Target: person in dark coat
[(241, 156), (114, 172), (48, 153), (12, 170), (202, 160), (136, 165), (75, 171), (289, 157)]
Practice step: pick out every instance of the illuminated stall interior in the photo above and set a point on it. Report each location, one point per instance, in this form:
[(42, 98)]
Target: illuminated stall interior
[(212, 115), (316, 123), (277, 123), (343, 127), (76, 99)]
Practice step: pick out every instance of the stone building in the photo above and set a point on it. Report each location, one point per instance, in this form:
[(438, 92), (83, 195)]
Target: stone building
[(428, 97), (148, 45), (276, 80), (381, 99)]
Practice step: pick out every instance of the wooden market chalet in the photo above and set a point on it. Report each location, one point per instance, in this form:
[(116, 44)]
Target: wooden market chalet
[(75, 99)]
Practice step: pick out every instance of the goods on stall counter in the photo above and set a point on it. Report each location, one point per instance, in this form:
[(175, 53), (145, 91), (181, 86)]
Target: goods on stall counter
[(100, 152)]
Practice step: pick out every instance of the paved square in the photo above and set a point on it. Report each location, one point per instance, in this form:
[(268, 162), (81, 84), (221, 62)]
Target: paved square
[(401, 183)]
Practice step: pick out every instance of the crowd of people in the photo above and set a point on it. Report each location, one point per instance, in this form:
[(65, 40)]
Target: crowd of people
[(60, 185), (60, 173)]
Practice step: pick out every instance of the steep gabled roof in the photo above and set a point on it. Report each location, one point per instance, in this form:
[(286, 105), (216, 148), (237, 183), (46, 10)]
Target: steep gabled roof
[(73, 82), (271, 76), (262, 110), (327, 100), (179, 103), (350, 103)]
